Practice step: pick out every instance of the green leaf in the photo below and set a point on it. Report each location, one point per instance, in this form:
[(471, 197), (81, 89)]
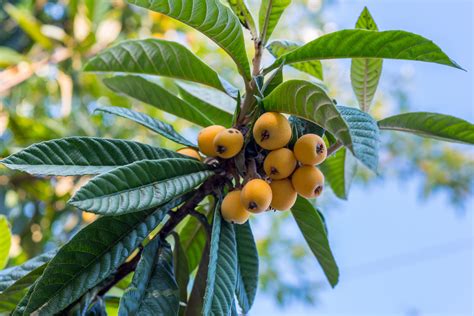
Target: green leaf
[(165, 130), (339, 170), (11, 296), (432, 125), (222, 271), (193, 239), (247, 257), (181, 268), (5, 241), (309, 101), (160, 58), (21, 306), (312, 67), (10, 276), (210, 17), (28, 24), (139, 186), (365, 73), (269, 15), (157, 96), (195, 302), (82, 155), (153, 290), (92, 255), (301, 127), (274, 81), (219, 111), (239, 7), (364, 134), (9, 57), (312, 228), (368, 44)]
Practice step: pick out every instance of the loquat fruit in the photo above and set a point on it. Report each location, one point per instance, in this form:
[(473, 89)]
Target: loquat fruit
[(272, 131), (256, 196), (233, 210), (308, 181), (283, 194), (280, 163), (190, 152), (206, 139), (310, 149), (228, 143)]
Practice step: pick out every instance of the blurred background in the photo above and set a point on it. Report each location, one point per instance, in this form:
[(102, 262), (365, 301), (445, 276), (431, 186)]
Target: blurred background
[(404, 238)]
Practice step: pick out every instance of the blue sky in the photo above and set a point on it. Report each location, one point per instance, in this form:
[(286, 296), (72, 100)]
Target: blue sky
[(399, 255)]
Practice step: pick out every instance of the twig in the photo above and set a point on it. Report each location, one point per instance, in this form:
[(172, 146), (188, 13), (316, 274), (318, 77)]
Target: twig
[(334, 148)]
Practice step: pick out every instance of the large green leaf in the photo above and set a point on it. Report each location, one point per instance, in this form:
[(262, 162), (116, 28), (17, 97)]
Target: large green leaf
[(217, 106), (309, 101), (269, 15), (433, 125), (160, 58), (181, 270), (11, 296), (139, 186), (157, 96), (82, 155), (243, 13), (210, 17), (312, 228), (339, 170), (10, 276), (21, 306), (5, 241), (195, 302), (364, 134), (312, 67), (368, 44), (247, 257), (193, 239), (222, 271), (365, 72), (91, 256), (153, 290), (165, 130)]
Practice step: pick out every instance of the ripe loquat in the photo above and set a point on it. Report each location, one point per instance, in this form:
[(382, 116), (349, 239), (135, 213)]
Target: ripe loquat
[(256, 196), (283, 194), (233, 210), (228, 143), (308, 181), (272, 131), (280, 163), (310, 149), (190, 152), (206, 139)]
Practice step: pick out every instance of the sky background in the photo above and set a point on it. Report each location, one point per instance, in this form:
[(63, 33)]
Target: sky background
[(399, 254)]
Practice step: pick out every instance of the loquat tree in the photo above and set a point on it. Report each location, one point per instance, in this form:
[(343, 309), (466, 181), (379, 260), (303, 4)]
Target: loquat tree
[(172, 221)]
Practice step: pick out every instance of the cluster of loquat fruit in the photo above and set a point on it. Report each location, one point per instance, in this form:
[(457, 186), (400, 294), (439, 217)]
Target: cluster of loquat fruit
[(287, 172)]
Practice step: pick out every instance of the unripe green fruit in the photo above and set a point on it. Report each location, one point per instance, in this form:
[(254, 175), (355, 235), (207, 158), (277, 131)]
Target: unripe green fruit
[(310, 149), (308, 181), (280, 163), (228, 143), (283, 194), (233, 210), (256, 196), (272, 131), (206, 139)]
